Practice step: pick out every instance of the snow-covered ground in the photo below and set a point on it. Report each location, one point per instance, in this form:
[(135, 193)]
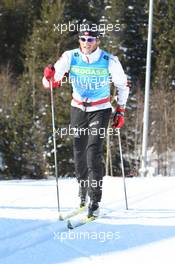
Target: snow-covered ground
[(30, 232)]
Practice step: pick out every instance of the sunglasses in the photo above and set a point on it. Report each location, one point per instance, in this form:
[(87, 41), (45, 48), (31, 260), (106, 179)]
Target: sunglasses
[(89, 39)]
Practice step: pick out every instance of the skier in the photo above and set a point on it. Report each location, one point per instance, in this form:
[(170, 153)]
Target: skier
[(90, 71)]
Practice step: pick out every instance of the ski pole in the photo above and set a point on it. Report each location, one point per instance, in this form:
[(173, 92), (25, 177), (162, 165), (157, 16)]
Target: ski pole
[(122, 167), (55, 148)]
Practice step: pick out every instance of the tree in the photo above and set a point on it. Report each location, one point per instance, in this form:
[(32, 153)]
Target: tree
[(163, 96), (16, 23), (8, 94)]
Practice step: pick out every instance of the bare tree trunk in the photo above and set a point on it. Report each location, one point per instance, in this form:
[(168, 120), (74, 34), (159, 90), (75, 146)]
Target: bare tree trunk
[(166, 139)]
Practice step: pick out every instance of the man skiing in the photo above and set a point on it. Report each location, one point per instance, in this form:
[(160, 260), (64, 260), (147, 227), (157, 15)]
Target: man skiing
[(90, 71)]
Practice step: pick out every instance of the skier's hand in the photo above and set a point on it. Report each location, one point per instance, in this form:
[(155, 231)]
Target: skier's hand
[(46, 83), (49, 71), (118, 120)]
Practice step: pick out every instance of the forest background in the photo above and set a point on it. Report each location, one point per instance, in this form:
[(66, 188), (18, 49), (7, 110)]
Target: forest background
[(31, 38)]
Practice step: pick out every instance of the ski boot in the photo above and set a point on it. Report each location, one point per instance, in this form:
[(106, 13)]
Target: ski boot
[(93, 209)]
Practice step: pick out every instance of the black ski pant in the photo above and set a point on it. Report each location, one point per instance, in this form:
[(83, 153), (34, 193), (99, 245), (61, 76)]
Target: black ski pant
[(90, 129)]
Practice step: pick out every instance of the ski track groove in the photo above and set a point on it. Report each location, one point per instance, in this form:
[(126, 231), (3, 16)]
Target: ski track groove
[(24, 243), (23, 231)]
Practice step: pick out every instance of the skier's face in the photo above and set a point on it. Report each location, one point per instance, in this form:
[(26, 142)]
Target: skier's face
[(88, 44)]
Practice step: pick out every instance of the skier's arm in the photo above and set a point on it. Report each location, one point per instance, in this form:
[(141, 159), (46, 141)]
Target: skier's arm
[(120, 81), (58, 71)]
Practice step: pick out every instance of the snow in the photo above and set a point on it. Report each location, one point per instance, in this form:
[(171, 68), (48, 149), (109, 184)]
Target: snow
[(30, 231)]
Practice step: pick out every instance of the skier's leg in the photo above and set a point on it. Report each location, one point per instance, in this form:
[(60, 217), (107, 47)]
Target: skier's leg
[(80, 139), (98, 121)]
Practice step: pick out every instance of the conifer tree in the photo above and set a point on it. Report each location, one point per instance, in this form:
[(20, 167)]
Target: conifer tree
[(16, 21), (31, 113)]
